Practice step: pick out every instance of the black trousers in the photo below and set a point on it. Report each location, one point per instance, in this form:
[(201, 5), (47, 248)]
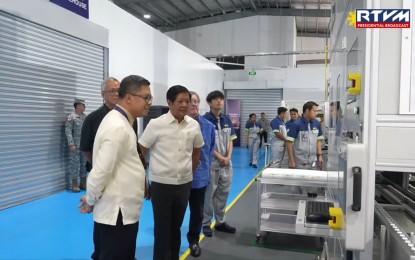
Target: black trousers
[(115, 242), (196, 202), (263, 135), (169, 206)]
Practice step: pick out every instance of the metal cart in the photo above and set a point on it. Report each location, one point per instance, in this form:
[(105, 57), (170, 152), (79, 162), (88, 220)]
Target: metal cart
[(281, 208)]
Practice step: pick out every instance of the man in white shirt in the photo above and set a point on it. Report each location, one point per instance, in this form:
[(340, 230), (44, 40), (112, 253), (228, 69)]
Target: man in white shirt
[(174, 141), (116, 184)]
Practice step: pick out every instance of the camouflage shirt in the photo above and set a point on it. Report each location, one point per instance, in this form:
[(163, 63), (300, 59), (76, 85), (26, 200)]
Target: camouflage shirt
[(73, 127)]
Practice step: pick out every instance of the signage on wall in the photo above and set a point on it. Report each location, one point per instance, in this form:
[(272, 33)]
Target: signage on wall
[(380, 18), (80, 7)]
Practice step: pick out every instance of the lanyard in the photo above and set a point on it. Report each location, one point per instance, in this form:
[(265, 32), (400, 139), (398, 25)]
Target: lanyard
[(140, 154)]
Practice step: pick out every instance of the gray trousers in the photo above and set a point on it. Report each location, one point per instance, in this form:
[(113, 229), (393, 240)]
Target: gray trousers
[(278, 151), (217, 194), (254, 149), (77, 164)]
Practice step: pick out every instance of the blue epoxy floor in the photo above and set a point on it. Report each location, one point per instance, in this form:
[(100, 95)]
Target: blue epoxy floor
[(53, 228)]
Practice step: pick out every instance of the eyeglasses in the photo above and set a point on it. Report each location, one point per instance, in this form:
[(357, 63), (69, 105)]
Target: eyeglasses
[(112, 91), (194, 102), (147, 98)]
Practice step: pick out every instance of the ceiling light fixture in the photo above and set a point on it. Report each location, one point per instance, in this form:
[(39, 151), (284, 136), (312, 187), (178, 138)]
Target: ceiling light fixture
[(147, 16)]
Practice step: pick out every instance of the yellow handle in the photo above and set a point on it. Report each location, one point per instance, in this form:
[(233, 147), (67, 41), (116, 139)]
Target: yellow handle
[(338, 218), (356, 78)]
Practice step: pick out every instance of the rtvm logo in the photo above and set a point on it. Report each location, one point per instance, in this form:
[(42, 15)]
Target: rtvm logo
[(383, 18)]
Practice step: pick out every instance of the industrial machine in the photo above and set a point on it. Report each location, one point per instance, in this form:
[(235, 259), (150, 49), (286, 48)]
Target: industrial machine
[(370, 123), (371, 136)]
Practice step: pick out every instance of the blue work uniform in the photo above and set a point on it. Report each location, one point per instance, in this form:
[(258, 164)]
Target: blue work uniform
[(305, 135), (277, 145), (254, 129), (221, 176), (289, 123)]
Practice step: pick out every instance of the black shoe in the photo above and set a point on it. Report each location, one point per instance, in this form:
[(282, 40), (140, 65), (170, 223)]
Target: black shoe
[(224, 227), (207, 231), (254, 165), (250, 164), (195, 250)]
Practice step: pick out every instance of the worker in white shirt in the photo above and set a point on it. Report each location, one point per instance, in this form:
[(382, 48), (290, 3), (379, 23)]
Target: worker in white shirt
[(116, 183), (174, 141)]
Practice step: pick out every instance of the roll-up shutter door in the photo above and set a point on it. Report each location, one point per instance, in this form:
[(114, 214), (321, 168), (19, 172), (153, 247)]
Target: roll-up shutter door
[(256, 101), (41, 71)]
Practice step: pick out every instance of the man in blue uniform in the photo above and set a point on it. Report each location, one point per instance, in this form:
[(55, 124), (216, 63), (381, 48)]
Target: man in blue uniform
[(293, 117), (278, 137), (221, 169), (253, 131), (304, 140)]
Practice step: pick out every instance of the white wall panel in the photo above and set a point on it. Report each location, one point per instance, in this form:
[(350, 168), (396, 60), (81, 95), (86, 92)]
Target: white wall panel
[(241, 36), (297, 84), (137, 48), (310, 44), (206, 39), (262, 62), (225, 41), (246, 33)]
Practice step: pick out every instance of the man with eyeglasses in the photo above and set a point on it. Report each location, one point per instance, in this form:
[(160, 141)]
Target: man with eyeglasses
[(109, 92), (116, 184)]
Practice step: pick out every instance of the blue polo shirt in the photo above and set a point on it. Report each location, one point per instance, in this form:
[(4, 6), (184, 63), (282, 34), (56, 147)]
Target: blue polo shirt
[(277, 126), (201, 178), (289, 123)]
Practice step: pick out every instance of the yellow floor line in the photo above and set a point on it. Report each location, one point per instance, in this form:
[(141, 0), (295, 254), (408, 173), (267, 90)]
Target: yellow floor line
[(187, 253)]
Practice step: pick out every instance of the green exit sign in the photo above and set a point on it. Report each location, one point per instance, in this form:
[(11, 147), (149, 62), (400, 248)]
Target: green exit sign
[(252, 73)]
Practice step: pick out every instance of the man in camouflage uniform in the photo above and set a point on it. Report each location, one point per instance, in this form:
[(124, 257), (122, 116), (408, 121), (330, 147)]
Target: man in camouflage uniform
[(73, 128)]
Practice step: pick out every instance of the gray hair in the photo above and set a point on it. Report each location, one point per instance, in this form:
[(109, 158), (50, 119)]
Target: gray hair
[(194, 93), (105, 82)]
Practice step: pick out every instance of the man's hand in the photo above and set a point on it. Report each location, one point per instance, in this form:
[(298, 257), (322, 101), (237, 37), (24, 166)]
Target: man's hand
[(84, 207), (320, 161), (291, 165), (224, 161), (72, 148)]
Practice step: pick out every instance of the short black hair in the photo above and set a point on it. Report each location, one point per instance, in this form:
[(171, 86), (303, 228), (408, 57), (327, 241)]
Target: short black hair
[(131, 83), (251, 115), (262, 113), (309, 105), (214, 95), (294, 110), (174, 91), (281, 110)]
